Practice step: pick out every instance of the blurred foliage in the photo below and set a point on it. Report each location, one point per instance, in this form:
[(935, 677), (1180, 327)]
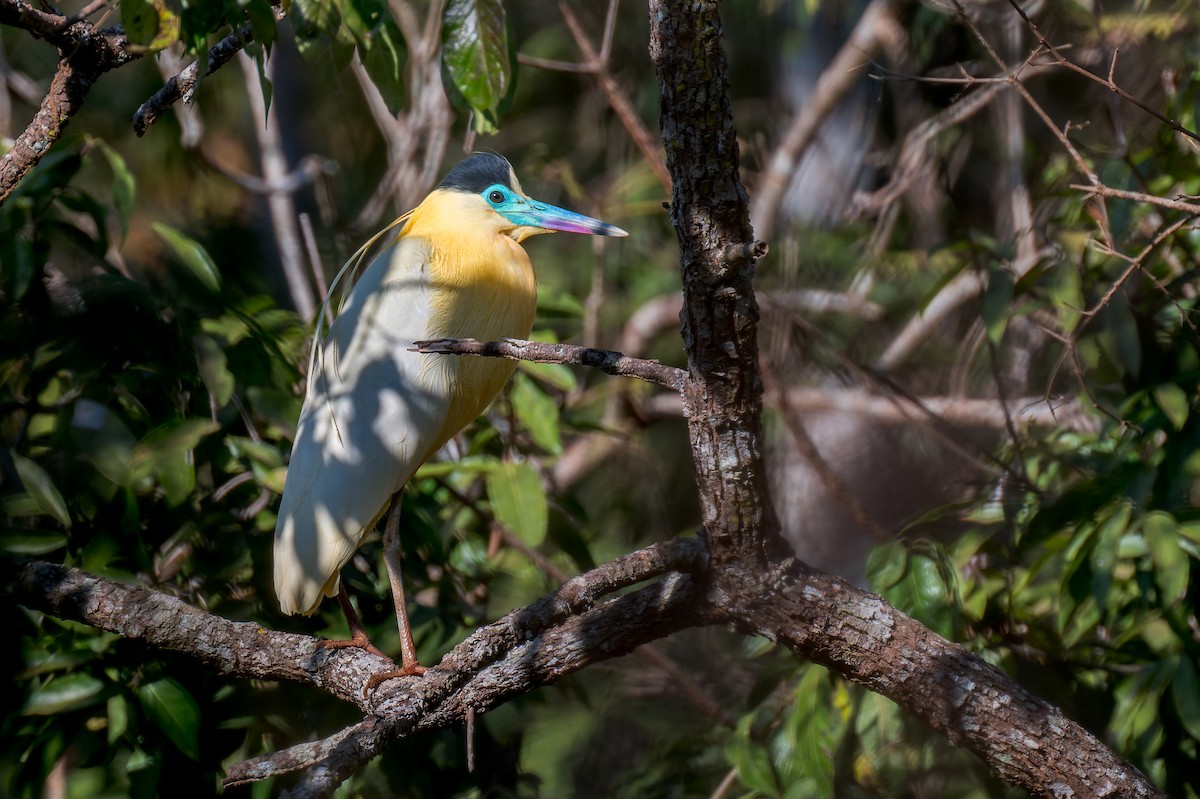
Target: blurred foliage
[(150, 389)]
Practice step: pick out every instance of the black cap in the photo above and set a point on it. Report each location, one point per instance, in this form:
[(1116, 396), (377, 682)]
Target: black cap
[(478, 172)]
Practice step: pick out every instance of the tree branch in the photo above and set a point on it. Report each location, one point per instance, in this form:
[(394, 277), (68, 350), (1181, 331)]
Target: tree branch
[(607, 361), (85, 55), (709, 210), (1025, 740), (531, 646)]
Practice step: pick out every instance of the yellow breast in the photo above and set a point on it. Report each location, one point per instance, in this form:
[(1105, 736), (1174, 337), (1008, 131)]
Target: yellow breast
[(483, 287)]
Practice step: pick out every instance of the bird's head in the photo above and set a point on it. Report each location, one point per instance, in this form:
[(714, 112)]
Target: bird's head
[(492, 190)]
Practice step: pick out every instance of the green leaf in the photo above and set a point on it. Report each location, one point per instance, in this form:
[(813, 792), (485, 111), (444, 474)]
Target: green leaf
[(538, 413), (1104, 554), (886, 565), (191, 255), (41, 487), (103, 439), (262, 22), (20, 263), (258, 52), (140, 19), (475, 57), (63, 694), (150, 25), (361, 18), (472, 464), (259, 452), (383, 56), (324, 42), (123, 186), (173, 710), (997, 302), (555, 375), (31, 542), (518, 501), (165, 452), (1185, 692), (1170, 561), (1173, 401), (1118, 336), (750, 760), (118, 717), (214, 371)]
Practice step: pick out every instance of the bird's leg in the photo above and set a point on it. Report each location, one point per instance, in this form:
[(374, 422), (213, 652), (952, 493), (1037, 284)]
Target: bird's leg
[(391, 556), (358, 634)]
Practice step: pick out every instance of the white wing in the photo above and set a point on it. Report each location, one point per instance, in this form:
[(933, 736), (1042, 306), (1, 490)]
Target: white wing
[(372, 415)]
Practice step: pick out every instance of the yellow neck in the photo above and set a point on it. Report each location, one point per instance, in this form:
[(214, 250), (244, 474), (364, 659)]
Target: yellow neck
[(483, 287)]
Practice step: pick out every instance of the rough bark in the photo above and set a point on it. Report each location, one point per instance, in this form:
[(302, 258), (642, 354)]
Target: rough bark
[(1025, 740), (710, 213), (85, 54)]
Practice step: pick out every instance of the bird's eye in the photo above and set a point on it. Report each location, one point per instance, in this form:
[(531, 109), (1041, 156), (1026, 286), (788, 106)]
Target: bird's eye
[(496, 196)]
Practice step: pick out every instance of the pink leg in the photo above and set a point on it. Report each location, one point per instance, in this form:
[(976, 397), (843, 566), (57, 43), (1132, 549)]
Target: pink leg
[(391, 557), (409, 665), (358, 635)]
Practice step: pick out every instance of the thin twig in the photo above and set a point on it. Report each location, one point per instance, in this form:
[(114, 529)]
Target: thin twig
[(279, 198), (619, 101), (1108, 83), (613, 363), (1137, 196)]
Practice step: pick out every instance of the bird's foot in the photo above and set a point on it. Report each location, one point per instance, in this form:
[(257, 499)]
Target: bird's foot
[(406, 670), (358, 640)]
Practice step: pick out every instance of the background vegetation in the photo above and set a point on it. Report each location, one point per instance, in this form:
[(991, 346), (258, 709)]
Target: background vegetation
[(946, 267)]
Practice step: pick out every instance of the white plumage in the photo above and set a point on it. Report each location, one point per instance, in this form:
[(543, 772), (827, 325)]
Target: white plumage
[(343, 472)]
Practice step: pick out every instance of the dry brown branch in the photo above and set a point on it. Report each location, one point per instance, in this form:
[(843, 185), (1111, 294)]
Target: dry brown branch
[(1100, 190), (473, 671), (418, 136), (1135, 264), (597, 65), (949, 299), (607, 361), (1027, 412), (1081, 164), (85, 54)]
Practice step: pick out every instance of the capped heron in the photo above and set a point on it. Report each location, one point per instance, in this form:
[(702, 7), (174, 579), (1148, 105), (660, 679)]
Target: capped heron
[(374, 411)]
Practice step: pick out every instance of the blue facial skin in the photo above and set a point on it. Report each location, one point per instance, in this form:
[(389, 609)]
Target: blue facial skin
[(527, 212)]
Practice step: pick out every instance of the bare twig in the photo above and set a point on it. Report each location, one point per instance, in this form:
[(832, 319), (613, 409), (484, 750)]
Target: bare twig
[(1080, 163), (1192, 209), (950, 298), (1135, 264), (613, 363), (1107, 83), (898, 409), (597, 64)]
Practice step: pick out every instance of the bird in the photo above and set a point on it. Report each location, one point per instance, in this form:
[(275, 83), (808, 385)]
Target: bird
[(374, 410)]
